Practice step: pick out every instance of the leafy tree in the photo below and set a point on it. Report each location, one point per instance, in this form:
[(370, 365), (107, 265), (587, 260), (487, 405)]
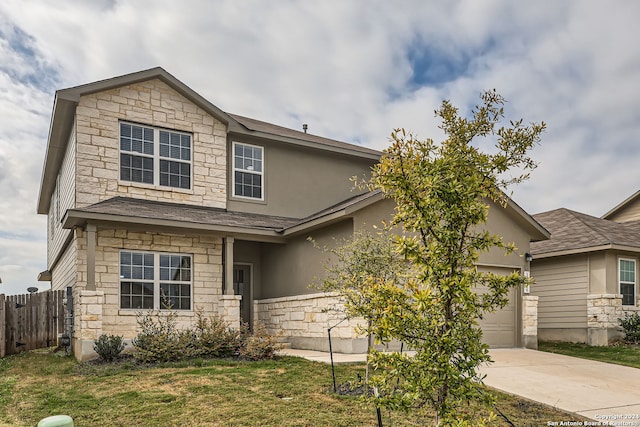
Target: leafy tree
[(442, 194), (355, 264)]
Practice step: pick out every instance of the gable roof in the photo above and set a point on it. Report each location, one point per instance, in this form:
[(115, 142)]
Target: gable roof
[(66, 101), (620, 207), (268, 130), (575, 232)]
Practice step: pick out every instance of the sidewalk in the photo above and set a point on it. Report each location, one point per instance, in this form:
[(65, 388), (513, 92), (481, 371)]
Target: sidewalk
[(321, 356), (599, 391)]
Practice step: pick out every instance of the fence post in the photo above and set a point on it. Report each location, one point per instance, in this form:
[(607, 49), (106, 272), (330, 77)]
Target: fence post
[(3, 327)]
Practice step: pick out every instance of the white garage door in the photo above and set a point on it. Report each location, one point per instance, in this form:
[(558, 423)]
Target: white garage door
[(500, 328)]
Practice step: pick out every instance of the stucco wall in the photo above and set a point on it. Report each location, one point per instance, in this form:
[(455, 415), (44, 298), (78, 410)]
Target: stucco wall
[(150, 103), (291, 269), (501, 222), (300, 181)]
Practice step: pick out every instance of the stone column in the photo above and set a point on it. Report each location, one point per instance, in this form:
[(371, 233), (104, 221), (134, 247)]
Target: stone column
[(603, 312), (88, 323), (230, 309), (530, 321)]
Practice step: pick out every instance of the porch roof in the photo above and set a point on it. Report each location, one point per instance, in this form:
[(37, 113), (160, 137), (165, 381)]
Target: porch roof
[(132, 211)]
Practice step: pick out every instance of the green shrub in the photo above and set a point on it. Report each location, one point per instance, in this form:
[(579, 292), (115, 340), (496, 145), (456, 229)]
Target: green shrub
[(258, 345), (214, 337), (109, 347), (159, 339), (631, 326)]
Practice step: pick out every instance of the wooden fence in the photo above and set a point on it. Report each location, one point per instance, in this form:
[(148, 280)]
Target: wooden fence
[(30, 321)]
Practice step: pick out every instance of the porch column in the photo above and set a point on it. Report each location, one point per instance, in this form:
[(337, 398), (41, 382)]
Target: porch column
[(228, 265), (229, 303), (530, 321), (91, 257)]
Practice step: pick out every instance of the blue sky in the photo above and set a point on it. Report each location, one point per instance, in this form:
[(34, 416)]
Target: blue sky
[(352, 70)]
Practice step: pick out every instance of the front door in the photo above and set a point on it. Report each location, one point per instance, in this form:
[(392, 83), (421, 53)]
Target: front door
[(242, 287)]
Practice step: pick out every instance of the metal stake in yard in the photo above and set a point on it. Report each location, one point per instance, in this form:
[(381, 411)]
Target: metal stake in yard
[(333, 369)]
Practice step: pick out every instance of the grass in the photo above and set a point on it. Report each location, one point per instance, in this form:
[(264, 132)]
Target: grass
[(285, 392), (619, 354)]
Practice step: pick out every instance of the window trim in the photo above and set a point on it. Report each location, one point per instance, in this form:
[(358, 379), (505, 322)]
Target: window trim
[(634, 283), (261, 173), (156, 158), (157, 282)]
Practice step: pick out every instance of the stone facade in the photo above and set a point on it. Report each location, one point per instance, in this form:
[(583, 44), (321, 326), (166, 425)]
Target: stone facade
[(229, 310), (603, 312), (88, 322), (93, 318), (151, 103), (303, 321), (530, 321)]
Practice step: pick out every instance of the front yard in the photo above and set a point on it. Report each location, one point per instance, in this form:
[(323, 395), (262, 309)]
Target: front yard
[(620, 354), (285, 392)]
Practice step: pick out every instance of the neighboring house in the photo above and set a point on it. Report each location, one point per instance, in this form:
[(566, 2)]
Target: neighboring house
[(153, 193), (586, 275), (627, 211)]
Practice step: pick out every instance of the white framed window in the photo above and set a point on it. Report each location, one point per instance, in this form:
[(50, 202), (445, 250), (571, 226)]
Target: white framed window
[(155, 156), (155, 281), (627, 280), (248, 171)]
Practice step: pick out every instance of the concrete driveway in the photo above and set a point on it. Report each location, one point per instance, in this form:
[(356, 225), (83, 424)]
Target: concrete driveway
[(599, 391)]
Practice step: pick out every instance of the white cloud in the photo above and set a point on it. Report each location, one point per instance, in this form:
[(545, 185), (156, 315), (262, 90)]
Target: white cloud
[(344, 68)]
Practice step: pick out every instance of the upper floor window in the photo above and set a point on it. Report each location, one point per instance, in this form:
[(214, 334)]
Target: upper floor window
[(155, 156), (248, 165), (627, 277)]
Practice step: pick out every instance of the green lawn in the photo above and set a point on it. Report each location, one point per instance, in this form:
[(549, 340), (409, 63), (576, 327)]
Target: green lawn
[(285, 392), (619, 354)]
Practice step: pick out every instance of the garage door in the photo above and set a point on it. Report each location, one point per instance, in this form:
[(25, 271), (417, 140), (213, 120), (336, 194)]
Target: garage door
[(500, 328)]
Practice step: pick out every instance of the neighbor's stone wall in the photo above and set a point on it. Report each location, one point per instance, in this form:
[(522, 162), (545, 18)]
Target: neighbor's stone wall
[(152, 103), (530, 321), (206, 273), (303, 321), (603, 312)]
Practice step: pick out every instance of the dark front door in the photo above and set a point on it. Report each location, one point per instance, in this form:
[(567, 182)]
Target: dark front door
[(242, 286)]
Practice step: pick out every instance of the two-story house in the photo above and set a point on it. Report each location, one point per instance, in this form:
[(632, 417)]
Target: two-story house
[(155, 196)]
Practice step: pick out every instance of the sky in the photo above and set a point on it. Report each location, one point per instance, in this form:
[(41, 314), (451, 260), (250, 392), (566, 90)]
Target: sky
[(352, 70)]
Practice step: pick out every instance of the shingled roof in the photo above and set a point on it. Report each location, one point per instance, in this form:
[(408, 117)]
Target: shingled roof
[(573, 232), (254, 125), (175, 215)]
